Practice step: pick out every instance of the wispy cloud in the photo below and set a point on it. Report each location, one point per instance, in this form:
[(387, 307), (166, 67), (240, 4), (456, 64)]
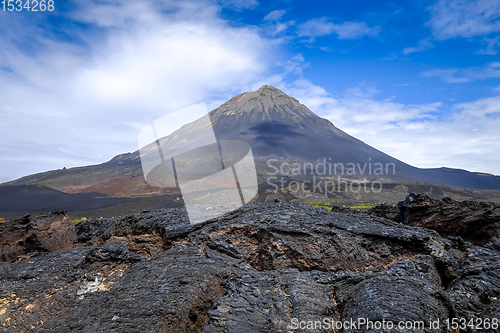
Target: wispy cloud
[(346, 30), (491, 70), (423, 45), (484, 107), (462, 19), (354, 30), (316, 27), (458, 18), (274, 26), (446, 75), (275, 15), (239, 4), (294, 65), (491, 48)]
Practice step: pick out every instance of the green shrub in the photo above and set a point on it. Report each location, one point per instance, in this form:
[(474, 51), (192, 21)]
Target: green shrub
[(79, 220)]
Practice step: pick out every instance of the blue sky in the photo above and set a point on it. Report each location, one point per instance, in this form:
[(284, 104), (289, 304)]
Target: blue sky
[(417, 80)]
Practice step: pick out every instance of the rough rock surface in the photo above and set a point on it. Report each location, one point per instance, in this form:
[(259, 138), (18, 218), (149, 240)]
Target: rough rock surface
[(29, 236), (264, 268), (474, 221)]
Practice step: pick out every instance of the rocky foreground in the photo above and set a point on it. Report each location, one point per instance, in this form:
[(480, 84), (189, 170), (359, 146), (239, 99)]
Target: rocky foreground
[(273, 267), (474, 221)]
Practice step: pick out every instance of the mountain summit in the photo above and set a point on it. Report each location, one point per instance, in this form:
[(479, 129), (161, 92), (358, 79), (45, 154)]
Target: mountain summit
[(265, 104), (276, 124)]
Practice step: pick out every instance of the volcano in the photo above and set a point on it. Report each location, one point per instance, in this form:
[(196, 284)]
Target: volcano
[(278, 128)]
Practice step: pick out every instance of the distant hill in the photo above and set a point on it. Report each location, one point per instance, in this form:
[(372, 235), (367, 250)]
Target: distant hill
[(23, 199)]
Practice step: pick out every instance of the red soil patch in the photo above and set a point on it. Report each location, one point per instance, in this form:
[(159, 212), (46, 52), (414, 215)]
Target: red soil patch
[(127, 186)]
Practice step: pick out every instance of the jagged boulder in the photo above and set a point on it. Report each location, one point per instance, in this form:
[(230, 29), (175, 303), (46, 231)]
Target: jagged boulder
[(31, 236), (473, 221)]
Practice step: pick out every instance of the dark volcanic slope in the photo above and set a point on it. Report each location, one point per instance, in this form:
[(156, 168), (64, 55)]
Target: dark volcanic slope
[(276, 126), (23, 199), (251, 271)]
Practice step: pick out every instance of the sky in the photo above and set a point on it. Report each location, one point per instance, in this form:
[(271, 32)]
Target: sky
[(418, 80)]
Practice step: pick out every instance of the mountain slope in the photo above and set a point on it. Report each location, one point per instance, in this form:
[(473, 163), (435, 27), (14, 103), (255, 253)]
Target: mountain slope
[(277, 127), (24, 199), (276, 124)]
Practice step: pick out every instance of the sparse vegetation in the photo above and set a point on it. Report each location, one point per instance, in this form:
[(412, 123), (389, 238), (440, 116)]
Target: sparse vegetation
[(362, 206), (327, 205), (318, 203), (79, 220)]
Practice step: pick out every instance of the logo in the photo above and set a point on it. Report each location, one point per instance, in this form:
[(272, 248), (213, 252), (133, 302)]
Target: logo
[(180, 150)]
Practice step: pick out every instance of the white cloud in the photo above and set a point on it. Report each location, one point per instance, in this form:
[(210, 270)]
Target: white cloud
[(394, 56), (282, 27), (446, 75), (484, 107), (239, 5), (184, 60), (272, 26), (72, 104), (316, 27), (423, 45), (491, 70), (354, 30), (345, 30), (461, 18), (491, 48), (356, 111), (275, 15), (275, 28), (294, 65), (467, 138)]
